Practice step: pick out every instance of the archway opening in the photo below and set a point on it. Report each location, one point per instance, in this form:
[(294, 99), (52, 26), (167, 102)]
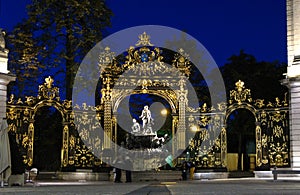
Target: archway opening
[(47, 139), (131, 108), (241, 140)]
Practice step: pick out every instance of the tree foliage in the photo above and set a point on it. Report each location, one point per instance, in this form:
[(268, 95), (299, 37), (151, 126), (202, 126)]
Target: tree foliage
[(198, 58), (263, 78), (55, 37)]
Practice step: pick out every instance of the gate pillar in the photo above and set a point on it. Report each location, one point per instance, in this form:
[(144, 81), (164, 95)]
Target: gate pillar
[(30, 143), (258, 144), (114, 135), (223, 147), (174, 127), (106, 96), (181, 123), (65, 146)]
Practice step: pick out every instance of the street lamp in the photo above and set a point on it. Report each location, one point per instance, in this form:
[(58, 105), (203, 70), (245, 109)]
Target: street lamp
[(194, 128), (164, 112)]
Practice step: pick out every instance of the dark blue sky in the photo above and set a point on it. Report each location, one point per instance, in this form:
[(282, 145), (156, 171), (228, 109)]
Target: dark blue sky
[(224, 27)]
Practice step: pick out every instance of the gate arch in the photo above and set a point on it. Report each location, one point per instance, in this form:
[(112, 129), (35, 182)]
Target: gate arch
[(47, 138), (237, 106), (58, 106), (146, 73), (172, 102), (257, 131), (21, 118)]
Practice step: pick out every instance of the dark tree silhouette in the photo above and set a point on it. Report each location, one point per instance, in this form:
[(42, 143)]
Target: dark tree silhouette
[(55, 37)]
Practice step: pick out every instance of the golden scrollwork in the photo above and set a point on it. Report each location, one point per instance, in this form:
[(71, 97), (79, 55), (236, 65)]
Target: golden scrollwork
[(11, 114), (259, 103), (277, 131), (277, 116), (264, 140), (146, 62), (278, 154), (67, 104), (11, 99)]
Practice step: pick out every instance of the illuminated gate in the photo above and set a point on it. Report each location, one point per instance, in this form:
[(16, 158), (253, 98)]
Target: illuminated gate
[(208, 149), (145, 73), (271, 132), (21, 116)]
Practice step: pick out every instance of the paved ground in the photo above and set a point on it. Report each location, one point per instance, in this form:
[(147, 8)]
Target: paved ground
[(228, 186)]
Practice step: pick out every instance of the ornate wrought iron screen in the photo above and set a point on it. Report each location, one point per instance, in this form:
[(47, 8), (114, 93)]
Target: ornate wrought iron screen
[(208, 147)]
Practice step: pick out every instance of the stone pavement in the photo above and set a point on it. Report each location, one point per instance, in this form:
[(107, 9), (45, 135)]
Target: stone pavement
[(226, 186)]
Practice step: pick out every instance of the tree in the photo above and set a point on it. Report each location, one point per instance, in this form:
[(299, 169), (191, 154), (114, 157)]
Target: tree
[(56, 36), (196, 56), (263, 78), (23, 60)]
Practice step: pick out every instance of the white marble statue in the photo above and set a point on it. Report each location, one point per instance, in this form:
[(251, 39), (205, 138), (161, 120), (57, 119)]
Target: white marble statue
[(146, 116), (135, 127)]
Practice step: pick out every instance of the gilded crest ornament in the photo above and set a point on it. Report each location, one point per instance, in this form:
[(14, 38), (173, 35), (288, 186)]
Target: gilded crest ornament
[(144, 40), (106, 57), (240, 94), (181, 62), (47, 91)]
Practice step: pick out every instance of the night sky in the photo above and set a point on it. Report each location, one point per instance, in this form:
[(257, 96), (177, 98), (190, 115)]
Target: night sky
[(223, 27)]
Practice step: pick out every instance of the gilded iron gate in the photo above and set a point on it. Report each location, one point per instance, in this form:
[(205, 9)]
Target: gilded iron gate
[(74, 153), (80, 134), (271, 131)]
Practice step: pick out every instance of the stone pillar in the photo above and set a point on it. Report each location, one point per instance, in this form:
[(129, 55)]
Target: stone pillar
[(293, 78), (293, 37), (5, 77), (294, 87)]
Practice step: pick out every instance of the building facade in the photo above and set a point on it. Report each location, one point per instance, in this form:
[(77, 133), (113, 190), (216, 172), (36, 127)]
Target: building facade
[(293, 77)]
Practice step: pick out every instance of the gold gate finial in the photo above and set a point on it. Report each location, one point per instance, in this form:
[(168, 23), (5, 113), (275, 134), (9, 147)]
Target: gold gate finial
[(48, 82), (144, 40), (239, 85)]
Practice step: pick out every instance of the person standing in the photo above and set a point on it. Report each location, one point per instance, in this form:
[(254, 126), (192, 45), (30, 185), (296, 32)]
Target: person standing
[(128, 169), (184, 169), (117, 171)]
